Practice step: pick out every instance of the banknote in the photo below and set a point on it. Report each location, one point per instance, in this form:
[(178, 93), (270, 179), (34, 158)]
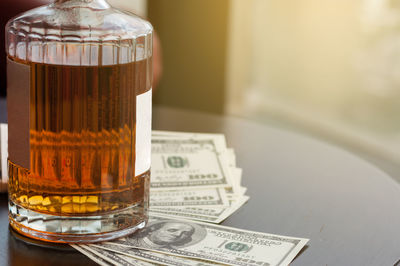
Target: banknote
[(203, 214), (214, 243), (188, 163), (99, 260), (229, 153), (111, 257), (209, 213), (216, 197), (144, 255)]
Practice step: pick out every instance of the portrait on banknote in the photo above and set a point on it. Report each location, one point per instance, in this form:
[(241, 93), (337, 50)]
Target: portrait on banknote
[(168, 234)]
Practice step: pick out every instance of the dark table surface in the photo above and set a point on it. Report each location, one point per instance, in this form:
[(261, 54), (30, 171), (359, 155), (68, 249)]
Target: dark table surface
[(298, 186)]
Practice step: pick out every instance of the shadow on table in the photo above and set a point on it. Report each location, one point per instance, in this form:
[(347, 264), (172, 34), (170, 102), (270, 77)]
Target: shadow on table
[(26, 251)]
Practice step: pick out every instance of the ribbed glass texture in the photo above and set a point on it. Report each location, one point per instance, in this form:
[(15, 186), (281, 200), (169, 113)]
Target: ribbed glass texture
[(78, 32)]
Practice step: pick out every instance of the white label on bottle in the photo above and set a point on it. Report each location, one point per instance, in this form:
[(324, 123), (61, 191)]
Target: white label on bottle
[(4, 152), (143, 132)]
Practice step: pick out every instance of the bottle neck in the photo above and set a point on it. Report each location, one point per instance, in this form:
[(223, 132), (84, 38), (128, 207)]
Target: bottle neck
[(95, 4)]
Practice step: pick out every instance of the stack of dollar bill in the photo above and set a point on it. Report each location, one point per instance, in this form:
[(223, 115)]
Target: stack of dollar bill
[(194, 179), (169, 241), (194, 186), (194, 176)]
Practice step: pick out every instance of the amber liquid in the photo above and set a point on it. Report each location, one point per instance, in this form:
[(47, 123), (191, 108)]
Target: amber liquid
[(82, 140)]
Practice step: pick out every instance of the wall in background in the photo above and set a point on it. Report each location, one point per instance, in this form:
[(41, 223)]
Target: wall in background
[(328, 67), (193, 35)]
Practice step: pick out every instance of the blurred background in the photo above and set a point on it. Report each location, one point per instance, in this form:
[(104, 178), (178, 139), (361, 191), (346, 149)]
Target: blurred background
[(325, 68)]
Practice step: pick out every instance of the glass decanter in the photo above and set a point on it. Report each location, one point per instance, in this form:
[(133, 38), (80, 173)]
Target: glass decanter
[(79, 111)]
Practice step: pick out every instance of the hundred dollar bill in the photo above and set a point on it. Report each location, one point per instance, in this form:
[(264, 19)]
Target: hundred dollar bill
[(214, 243), (183, 163), (229, 152), (111, 257), (148, 256), (203, 214), (108, 254), (196, 197), (92, 256)]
